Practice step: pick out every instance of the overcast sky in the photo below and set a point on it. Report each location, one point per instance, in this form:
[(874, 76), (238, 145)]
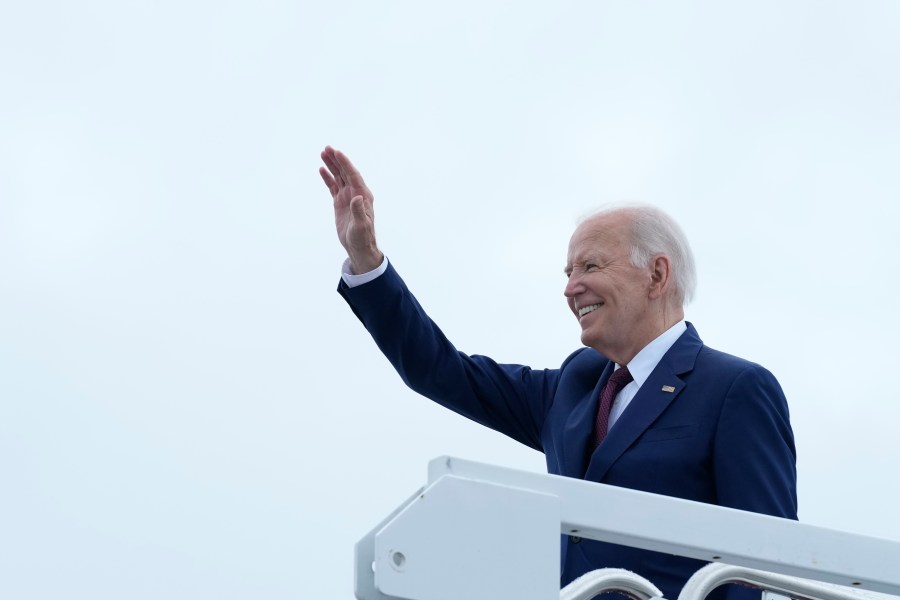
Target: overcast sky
[(189, 410)]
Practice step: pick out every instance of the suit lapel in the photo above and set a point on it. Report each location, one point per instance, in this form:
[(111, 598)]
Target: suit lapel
[(579, 428), (655, 395)]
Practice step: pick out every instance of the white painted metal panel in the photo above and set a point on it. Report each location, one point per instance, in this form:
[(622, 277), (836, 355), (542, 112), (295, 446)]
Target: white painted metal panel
[(471, 539)]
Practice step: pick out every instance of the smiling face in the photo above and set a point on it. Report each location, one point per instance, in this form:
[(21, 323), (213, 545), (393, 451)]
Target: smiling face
[(616, 303)]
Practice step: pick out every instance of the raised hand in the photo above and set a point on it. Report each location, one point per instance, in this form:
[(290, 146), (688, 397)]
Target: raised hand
[(354, 215)]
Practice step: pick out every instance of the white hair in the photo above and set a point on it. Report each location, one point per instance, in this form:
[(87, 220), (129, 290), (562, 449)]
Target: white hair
[(653, 232)]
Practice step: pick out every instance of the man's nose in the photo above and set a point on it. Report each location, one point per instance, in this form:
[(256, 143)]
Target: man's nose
[(573, 287)]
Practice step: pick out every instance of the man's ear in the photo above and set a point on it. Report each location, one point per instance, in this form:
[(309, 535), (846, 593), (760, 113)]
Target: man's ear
[(660, 276)]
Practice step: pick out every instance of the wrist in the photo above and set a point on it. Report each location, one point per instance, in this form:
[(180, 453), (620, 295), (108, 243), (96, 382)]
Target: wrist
[(365, 261)]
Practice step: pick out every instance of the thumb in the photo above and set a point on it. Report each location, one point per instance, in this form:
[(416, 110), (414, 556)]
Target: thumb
[(358, 208)]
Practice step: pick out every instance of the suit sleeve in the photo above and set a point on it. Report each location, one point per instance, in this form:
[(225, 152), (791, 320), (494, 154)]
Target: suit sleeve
[(755, 457), (512, 399)]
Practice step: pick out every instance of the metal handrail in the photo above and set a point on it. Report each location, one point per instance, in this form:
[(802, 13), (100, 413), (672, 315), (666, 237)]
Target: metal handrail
[(713, 575), (601, 581)]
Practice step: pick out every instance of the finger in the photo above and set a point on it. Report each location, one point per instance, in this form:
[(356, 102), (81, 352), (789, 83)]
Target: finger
[(349, 173), (329, 180), (328, 159)]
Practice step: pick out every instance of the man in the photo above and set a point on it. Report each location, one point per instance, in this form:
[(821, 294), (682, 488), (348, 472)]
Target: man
[(645, 405)]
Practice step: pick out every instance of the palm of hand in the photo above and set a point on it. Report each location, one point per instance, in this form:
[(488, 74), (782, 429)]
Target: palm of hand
[(351, 232), (353, 209)]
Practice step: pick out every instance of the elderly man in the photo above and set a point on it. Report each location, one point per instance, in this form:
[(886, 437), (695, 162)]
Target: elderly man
[(645, 405)]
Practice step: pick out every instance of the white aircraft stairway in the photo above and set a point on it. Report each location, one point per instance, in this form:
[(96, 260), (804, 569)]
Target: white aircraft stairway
[(438, 544)]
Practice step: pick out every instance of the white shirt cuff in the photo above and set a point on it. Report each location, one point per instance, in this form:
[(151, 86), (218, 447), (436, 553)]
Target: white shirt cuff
[(354, 280)]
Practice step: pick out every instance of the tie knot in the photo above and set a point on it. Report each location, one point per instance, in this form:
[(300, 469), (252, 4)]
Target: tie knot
[(620, 378)]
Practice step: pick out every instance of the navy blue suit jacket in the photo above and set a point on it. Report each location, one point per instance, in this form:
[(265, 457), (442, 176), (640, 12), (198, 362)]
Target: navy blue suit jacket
[(722, 436)]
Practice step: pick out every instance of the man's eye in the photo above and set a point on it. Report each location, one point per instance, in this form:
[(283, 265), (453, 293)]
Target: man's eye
[(590, 267)]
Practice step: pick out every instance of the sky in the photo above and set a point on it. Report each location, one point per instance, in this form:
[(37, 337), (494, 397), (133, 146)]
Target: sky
[(188, 409)]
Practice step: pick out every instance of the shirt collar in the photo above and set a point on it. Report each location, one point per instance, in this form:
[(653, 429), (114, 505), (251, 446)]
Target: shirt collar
[(646, 360)]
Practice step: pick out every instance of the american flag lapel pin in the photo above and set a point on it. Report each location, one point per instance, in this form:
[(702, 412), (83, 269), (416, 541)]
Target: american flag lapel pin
[(668, 388)]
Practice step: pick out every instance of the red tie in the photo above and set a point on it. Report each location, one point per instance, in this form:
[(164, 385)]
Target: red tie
[(619, 379)]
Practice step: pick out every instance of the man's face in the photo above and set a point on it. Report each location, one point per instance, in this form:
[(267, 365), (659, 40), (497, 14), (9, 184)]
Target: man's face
[(607, 294)]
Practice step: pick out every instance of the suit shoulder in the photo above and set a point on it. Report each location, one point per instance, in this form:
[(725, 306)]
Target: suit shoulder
[(584, 363), (723, 360), (728, 367)]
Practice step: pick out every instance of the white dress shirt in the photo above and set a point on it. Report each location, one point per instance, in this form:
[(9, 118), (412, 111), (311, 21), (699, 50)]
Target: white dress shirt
[(642, 365), (354, 280)]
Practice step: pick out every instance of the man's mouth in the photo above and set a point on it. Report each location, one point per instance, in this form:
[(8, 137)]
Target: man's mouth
[(584, 310)]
